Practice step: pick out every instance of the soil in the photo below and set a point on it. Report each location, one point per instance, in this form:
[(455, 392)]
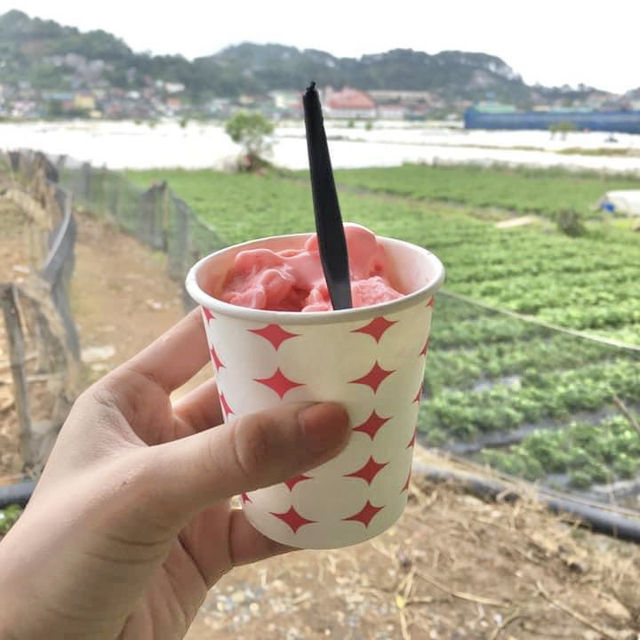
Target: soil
[(453, 567), (121, 295)]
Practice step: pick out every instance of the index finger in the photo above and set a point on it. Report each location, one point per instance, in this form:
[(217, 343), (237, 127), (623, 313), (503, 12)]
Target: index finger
[(176, 356)]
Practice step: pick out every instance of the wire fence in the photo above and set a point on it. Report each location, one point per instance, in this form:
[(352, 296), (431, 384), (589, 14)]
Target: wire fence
[(41, 336), (157, 217)]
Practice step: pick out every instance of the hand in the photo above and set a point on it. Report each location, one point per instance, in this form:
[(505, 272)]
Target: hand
[(131, 523)]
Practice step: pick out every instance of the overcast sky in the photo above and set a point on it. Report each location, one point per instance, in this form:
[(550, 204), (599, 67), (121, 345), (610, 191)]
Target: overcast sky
[(552, 42)]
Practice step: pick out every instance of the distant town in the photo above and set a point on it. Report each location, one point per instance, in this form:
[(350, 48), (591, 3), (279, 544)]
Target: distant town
[(158, 98)]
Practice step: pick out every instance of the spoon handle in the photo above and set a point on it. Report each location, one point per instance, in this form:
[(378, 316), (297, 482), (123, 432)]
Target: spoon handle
[(331, 239)]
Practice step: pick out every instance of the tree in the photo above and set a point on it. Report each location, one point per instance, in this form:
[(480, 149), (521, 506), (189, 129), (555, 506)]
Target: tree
[(251, 131)]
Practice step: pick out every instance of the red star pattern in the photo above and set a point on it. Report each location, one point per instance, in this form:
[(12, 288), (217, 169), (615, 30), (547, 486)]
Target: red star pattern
[(366, 514), (217, 363), (292, 482), (406, 484), (372, 424), (293, 519), (207, 314), (419, 394), (369, 471), (374, 378), (376, 328), (275, 334), (245, 498), (412, 442), (279, 383), (432, 302), (225, 405), (425, 348)]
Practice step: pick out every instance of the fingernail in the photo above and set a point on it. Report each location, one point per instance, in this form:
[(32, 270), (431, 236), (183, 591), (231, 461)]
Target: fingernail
[(324, 426)]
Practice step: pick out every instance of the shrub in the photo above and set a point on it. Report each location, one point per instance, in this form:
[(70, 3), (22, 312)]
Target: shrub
[(570, 223)]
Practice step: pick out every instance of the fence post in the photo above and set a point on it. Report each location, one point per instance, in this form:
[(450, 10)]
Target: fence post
[(165, 222), (86, 181), (16, 360)]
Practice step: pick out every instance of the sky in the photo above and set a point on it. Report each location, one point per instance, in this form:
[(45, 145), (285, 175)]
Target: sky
[(551, 42)]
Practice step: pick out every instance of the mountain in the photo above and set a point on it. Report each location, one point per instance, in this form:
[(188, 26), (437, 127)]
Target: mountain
[(451, 73), (43, 55)]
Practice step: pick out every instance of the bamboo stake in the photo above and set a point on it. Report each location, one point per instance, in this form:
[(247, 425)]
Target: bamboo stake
[(12, 322)]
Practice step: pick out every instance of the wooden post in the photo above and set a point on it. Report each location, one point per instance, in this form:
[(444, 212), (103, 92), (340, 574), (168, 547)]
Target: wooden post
[(8, 298)]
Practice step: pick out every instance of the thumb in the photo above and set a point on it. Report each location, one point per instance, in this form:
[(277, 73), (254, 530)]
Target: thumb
[(253, 451)]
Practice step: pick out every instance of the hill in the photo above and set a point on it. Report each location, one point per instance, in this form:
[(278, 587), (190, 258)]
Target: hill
[(41, 55)]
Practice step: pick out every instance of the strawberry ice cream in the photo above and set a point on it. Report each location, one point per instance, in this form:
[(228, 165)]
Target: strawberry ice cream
[(293, 280)]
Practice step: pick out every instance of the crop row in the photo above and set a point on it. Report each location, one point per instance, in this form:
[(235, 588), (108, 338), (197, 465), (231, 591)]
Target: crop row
[(603, 317), (462, 368), (483, 329), (560, 291), (616, 270), (587, 453), (536, 397)]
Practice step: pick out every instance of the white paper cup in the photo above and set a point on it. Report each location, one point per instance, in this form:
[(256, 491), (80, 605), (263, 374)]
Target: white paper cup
[(370, 359)]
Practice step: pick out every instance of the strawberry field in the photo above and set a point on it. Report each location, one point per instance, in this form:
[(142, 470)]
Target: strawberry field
[(527, 399), (541, 191), (530, 401)]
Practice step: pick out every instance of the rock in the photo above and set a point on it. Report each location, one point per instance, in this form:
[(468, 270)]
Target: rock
[(18, 268), (404, 559), (154, 305), (97, 354), (613, 607)]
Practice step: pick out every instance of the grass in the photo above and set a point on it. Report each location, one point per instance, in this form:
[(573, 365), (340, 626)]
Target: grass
[(8, 517)]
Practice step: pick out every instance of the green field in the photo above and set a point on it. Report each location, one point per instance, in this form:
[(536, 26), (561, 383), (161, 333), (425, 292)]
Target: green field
[(579, 283), (541, 191), (488, 374)]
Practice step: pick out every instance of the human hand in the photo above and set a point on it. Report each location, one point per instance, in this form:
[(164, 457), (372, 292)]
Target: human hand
[(131, 522)]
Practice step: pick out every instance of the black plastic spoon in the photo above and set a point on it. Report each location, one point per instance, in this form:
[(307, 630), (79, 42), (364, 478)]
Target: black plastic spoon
[(331, 240)]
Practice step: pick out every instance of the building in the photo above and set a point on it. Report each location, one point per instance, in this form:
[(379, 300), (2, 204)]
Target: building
[(391, 111), (84, 101), (348, 103), (507, 117)]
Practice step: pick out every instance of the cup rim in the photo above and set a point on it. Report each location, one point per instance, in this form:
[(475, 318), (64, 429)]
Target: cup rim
[(310, 317)]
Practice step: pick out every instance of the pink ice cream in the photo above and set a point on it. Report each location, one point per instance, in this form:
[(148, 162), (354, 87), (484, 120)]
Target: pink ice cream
[(293, 280)]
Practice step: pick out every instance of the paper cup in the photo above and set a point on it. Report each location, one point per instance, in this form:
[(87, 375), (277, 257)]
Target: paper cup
[(371, 360)]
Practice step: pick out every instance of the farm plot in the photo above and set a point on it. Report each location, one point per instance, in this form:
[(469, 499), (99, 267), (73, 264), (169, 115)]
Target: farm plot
[(579, 283), (529, 400), (492, 380), (541, 191)]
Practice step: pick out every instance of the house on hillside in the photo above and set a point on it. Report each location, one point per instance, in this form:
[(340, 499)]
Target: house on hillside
[(348, 103), (84, 101), (287, 103)]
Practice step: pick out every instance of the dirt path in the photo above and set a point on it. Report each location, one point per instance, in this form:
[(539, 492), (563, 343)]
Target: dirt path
[(122, 297)]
